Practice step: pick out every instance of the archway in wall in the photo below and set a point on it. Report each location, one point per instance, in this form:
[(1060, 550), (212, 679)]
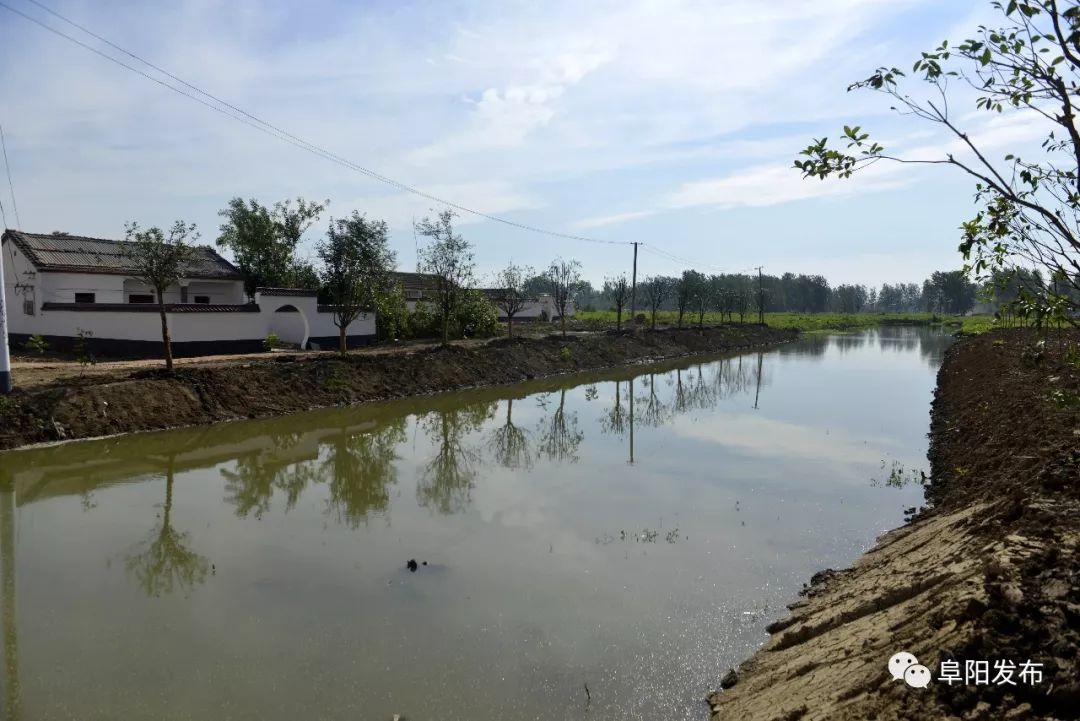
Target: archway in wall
[(290, 325)]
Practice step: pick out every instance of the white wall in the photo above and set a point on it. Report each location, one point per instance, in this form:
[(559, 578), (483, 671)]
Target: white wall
[(61, 287), (18, 273)]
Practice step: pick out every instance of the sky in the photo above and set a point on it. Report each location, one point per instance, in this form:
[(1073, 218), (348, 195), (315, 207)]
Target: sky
[(670, 123)]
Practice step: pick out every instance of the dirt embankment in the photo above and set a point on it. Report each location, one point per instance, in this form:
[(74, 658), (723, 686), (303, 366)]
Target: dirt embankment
[(990, 571), (141, 398)]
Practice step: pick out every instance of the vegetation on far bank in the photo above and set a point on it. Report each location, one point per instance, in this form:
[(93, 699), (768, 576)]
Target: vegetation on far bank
[(814, 322)]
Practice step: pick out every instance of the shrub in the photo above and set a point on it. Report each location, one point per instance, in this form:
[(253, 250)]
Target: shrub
[(83, 353), (565, 354), (37, 344), (423, 322), (271, 342), (477, 316), (392, 314)]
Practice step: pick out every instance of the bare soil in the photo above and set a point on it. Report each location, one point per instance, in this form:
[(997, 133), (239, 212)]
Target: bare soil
[(987, 571), (58, 400)]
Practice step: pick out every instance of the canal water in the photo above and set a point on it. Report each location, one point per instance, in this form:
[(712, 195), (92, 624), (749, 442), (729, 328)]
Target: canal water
[(595, 547)]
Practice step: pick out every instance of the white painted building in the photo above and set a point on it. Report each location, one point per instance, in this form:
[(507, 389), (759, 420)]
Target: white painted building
[(61, 286), (420, 287)]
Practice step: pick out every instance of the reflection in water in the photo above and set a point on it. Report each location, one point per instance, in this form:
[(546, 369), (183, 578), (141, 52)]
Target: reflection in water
[(252, 483), (615, 420), (7, 597), (446, 483), (360, 468), (166, 562), (511, 443), (559, 434), (316, 617)]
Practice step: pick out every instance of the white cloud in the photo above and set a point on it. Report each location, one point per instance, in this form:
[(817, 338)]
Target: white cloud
[(602, 220), (766, 185)]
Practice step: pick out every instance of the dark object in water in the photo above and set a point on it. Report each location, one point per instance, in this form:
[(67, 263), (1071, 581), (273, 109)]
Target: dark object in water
[(411, 565), (425, 563)]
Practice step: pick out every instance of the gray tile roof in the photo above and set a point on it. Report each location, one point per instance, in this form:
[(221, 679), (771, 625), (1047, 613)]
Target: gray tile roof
[(78, 254)]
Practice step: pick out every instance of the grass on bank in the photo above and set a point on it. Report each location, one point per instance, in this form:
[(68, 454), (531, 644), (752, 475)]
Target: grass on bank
[(815, 322)]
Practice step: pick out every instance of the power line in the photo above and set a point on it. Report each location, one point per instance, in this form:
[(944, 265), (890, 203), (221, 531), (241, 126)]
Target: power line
[(687, 262), (278, 133), (11, 185)]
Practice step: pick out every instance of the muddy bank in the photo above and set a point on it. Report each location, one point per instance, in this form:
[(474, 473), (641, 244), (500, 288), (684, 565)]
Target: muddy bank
[(151, 398), (988, 571)]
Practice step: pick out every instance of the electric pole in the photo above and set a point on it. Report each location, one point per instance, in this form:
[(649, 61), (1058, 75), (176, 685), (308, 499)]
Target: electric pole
[(5, 356), (760, 299), (633, 292)]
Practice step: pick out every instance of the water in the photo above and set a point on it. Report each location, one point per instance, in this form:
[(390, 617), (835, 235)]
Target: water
[(630, 531)]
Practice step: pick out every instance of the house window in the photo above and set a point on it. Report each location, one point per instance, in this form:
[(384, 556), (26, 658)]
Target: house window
[(84, 297), (202, 300), (140, 298), (28, 307)]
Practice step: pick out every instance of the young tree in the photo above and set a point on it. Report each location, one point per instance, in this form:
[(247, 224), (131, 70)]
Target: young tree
[(617, 290), (656, 290), (159, 260), (684, 293), (564, 277), (356, 264), (264, 241), (510, 292), (1029, 67), (449, 258)]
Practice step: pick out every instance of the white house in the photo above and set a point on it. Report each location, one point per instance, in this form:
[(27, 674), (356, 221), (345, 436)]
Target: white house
[(421, 287), (61, 286)]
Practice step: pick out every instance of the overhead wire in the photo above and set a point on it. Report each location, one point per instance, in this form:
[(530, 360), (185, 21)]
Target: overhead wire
[(240, 115), (275, 131)]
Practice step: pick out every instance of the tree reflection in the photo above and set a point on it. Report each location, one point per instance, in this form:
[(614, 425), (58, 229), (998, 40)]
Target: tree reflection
[(614, 421), (652, 411), (559, 435), (446, 482), (361, 468), (165, 562), (257, 476), (511, 442)]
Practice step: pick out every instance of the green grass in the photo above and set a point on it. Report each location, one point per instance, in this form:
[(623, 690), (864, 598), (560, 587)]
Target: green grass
[(815, 322)]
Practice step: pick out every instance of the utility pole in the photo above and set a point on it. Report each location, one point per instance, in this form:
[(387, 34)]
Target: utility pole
[(633, 292), (760, 299), (5, 356)]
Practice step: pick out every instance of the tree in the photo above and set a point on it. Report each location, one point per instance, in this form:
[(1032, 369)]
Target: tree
[(1028, 66), (264, 241), (617, 290), (684, 293), (656, 290), (159, 261), (950, 292), (356, 264), (563, 277), (449, 258), (510, 295), (700, 294)]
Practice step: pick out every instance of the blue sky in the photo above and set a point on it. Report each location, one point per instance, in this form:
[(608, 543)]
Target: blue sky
[(672, 123)]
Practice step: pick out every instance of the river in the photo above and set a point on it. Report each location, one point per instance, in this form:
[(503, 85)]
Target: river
[(602, 546)]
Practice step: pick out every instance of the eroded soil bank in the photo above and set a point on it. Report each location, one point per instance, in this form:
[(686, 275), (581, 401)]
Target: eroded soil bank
[(988, 572), (152, 398)]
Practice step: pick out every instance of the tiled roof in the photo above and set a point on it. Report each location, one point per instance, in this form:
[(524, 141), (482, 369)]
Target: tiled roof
[(415, 281), (78, 254), (290, 292), (152, 307)]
